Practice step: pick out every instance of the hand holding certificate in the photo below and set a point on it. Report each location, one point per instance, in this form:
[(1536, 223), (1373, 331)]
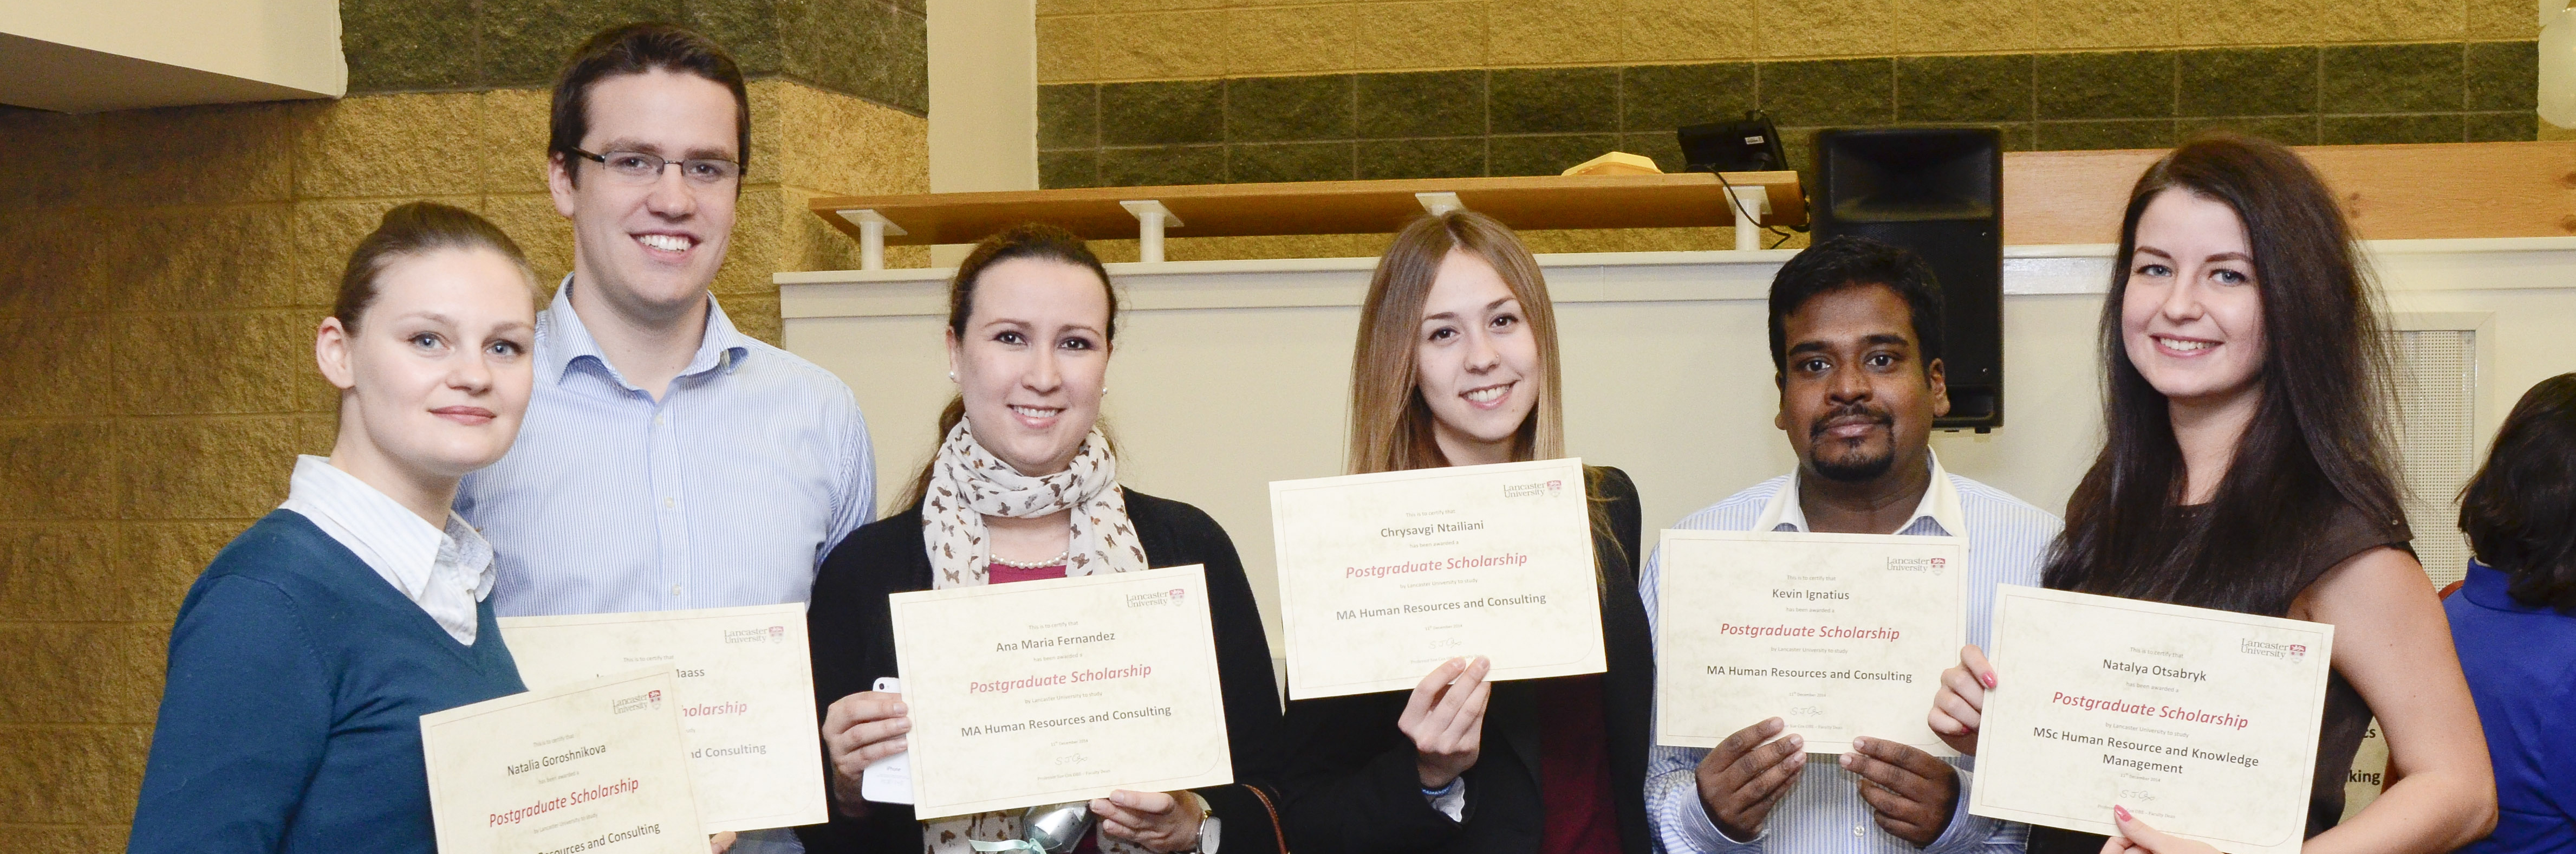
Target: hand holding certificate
[(1839, 635), (595, 765), (2202, 723), (1041, 692), (1383, 577), (745, 691)]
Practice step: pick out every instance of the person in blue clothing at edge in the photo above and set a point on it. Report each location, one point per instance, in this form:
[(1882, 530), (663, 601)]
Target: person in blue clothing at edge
[(1856, 341), (2514, 619), (306, 653), (670, 461)]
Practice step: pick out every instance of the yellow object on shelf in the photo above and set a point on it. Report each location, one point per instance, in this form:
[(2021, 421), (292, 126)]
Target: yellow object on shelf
[(1616, 163)]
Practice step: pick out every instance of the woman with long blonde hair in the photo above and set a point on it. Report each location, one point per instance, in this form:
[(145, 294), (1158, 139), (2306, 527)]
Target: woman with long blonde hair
[(1457, 365)]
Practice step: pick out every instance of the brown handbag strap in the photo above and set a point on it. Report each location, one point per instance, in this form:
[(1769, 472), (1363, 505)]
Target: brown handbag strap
[(1278, 832)]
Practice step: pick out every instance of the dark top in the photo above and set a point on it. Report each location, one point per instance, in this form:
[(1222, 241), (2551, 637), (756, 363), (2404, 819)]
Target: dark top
[(852, 632), (2521, 664), (1351, 782), (291, 719), (2347, 717)]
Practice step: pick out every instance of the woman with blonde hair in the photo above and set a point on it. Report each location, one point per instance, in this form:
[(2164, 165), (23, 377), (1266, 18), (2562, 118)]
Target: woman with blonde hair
[(1457, 365)]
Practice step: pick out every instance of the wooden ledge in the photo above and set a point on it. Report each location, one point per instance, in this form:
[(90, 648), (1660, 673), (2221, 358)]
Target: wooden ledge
[(2391, 192), (1689, 199)]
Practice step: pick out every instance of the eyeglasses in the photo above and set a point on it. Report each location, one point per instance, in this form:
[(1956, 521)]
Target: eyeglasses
[(636, 167)]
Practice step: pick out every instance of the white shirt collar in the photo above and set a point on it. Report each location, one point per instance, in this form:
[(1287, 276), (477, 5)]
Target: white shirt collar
[(444, 571), (1940, 503)]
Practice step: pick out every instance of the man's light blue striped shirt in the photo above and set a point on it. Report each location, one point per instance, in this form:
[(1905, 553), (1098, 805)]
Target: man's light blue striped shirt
[(727, 491), (1823, 813)]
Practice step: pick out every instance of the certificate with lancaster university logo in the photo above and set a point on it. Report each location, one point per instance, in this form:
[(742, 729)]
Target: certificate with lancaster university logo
[(1384, 576), (1043, 692), (745, 696), (2201, 722), (595, 765), (1838, 635)]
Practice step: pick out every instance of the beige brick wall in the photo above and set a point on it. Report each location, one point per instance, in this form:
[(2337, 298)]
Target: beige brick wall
[(161, 272), (1120, 40)]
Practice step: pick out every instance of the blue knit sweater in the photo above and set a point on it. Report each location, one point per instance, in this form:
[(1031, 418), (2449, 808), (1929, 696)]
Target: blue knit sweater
[(291, 719)]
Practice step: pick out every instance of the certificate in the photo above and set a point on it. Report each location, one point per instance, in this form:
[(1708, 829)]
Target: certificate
[(595, 765), (1384, 576), (1838, 635), (2201, 722), (1042, 692), (745, 695)]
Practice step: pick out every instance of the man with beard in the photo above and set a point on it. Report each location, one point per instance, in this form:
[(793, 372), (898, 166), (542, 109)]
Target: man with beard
[(1856, 341)]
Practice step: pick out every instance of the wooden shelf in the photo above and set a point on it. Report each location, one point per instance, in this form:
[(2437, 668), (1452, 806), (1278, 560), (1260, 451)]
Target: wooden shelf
[(1328, 207), (2391, 192)]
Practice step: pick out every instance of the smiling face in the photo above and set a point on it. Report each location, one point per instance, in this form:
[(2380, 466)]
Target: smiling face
[(1032, 361), (1858, 400), (651, 248), (2191, 316), (435, 378), (1476, 361)]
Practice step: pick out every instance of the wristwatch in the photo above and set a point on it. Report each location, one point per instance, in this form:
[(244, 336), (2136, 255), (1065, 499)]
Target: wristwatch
[(1208, 828)]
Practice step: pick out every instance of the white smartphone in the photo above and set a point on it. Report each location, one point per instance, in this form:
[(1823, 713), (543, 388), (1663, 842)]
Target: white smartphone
[(888, 780)]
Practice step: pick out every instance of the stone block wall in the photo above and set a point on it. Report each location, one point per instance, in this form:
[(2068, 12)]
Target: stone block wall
[(1149, 92), (161, 273)]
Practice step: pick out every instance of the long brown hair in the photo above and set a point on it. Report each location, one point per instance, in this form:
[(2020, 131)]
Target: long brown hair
[(2315, 444), (1030, 240), (1390, 422)]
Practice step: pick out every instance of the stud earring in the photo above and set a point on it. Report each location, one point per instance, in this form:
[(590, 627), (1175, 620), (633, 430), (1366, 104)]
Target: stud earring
[(952, 376)]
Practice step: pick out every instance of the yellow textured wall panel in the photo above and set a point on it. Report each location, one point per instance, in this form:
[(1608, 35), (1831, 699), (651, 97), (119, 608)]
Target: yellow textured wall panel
[(2392, 20), (57, 469), (57, 572), (58, 364), (206, 468), (72, 774), (1401, 36), (835, 143), (1159, 45), (194, 155), (1809, 28), (90, 673), (543, 234), (2497, 19), (156, 562), (1068, 49), (199, 258), (194, 363), (393, 145), (2052, 25), (510, 132), (1690, 30), (1543, 32), (51, 266), (1292, 39)]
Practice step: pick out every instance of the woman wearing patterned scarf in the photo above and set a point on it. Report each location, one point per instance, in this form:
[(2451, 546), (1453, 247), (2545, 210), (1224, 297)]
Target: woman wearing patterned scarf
[(1025, 486)]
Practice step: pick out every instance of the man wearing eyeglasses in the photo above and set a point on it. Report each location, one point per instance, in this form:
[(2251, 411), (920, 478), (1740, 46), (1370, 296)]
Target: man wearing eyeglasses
[(667, 460)]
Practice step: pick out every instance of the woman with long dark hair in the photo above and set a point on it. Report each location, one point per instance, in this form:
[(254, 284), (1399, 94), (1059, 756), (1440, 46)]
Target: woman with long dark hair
[(1457, 365), (2244, 468), (1024, 486)]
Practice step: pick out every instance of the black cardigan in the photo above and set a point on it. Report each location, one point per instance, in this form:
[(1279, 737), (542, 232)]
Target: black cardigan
[(1351, 784), (853, 644)]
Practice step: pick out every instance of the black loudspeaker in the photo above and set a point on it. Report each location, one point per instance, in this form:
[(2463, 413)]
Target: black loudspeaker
[(1748, 145), (1939, 192)]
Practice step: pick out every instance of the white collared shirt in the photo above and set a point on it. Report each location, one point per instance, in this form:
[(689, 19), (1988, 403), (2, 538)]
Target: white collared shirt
[(444, 572), (1823, 812)]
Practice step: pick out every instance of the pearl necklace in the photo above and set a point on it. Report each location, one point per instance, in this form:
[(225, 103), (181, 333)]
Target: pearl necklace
[(1058, 560)]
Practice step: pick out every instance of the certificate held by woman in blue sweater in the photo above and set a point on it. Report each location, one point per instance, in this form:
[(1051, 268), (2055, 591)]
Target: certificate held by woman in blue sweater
[(1384, 576), (596, 765)]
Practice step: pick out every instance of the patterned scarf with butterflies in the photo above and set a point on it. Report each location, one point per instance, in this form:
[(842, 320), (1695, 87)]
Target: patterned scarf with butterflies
[(968, 483)]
